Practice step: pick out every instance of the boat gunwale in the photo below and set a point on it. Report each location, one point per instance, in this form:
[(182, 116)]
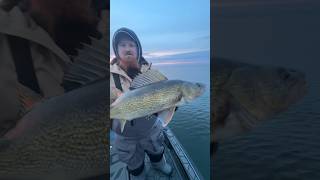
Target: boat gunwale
[(192, 173)]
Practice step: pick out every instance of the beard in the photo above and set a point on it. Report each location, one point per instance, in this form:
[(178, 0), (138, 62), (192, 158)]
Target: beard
[(133, 72), (69, 34)]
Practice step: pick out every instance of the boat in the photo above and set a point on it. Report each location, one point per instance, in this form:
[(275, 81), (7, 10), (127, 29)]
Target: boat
[(176, 155)]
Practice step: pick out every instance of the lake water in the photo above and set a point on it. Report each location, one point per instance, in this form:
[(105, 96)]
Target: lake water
[(287, 147), (191, 123)]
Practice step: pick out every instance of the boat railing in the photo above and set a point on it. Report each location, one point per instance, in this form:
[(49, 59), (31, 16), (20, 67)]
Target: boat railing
[(184, 159)]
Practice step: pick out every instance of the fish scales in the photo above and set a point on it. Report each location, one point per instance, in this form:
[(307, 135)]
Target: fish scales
[(73, 142), (152, 98)]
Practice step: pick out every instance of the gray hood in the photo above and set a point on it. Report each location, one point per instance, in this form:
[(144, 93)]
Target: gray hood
[(132, 35)]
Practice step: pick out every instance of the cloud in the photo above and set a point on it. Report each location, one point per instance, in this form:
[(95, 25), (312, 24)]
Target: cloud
[(178, 56), (165, 53), (177, 62)]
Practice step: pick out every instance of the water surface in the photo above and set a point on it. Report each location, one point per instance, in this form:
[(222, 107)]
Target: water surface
[(191, 123)]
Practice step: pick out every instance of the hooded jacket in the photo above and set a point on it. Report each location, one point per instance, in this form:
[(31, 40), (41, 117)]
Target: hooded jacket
[(132, 35), (138, 127), (48, 59)]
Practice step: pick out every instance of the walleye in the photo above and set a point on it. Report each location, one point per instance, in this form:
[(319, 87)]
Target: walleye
[(154, 93), (64, 137), (244, 95)]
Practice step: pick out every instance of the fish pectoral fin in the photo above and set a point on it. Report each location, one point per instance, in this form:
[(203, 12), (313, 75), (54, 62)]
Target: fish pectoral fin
[(236, 121), (146, 78), (246, 120), (166, 115), (122, 123), (27, 98)]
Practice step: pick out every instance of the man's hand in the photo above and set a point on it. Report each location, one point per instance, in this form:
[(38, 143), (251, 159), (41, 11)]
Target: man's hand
[(114, 94)]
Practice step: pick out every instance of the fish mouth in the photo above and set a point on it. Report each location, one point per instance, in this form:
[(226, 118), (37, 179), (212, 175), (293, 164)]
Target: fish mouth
[(293, 78)]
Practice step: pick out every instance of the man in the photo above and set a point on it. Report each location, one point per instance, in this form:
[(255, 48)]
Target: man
[(36, 39), (140, 135)]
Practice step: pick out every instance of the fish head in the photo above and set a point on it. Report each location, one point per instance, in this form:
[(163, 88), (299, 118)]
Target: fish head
[(190, 91), (264, 90)]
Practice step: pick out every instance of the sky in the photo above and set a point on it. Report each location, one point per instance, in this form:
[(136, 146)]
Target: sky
[(276, 32), (165, 28)]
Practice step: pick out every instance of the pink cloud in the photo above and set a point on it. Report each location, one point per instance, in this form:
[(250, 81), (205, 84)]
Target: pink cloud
[(157, 54), (163, 53), (176, 62)]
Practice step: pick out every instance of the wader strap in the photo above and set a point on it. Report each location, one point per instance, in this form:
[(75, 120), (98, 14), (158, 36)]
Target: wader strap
[(23, 61), (116, 78)]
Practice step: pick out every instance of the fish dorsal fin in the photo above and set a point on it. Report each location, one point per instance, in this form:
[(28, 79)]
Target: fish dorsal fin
[(89, 65), (149, 77), (28, 98)]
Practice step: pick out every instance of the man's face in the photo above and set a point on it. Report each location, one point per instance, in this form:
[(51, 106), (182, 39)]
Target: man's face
[(128, 51)]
